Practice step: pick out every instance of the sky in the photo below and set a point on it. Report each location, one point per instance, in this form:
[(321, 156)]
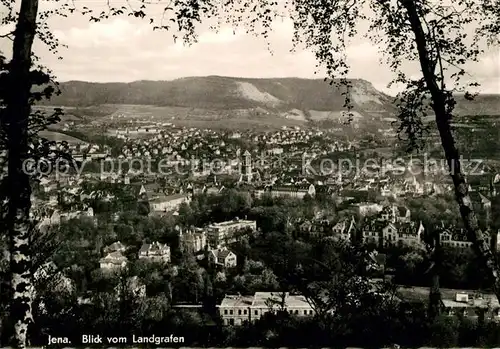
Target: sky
[(124, 49)]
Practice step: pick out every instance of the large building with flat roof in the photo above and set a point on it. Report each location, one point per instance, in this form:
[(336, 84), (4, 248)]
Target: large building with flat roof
[(236, 309), (220, 234)]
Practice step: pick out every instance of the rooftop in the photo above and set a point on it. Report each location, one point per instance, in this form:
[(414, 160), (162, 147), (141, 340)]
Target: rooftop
[(114, 258), (237, 301), (166, 198), (260, 300), (229, 223), (421, 294)]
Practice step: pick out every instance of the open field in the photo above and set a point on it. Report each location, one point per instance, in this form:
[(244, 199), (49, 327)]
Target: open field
[(232, 124), (59, 137), (200, 118), (257, 118)]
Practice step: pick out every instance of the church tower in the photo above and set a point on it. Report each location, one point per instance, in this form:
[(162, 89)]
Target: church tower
[(143, 207), (247, 166)]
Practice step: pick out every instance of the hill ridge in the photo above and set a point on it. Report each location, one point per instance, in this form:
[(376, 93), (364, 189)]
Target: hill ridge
[(213, 92), (288, 97)]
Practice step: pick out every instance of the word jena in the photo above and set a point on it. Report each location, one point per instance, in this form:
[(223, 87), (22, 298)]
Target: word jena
[(58, 340)]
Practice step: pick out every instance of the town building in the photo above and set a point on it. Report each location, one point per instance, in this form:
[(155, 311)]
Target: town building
[(471, 305), (155, 252), (115, 247), (221, 234), (113, 261), (367, 208), (345, 229), (457, 238), (402, 234), (222, 257), (292, 191), (395, 214), (237, 309), (193, 240), (371, 232), (168, 203), (462, 303)]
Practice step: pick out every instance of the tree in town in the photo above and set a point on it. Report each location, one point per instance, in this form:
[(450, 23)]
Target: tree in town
[(333, 277)]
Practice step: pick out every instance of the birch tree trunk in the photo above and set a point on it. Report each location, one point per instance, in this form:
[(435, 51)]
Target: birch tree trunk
[(17, 113), (443, 116), (4, 286)]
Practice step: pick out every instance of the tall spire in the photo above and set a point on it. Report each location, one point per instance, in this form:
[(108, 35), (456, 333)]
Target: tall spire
[(142, 191), (143, 206), (247, 166)]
